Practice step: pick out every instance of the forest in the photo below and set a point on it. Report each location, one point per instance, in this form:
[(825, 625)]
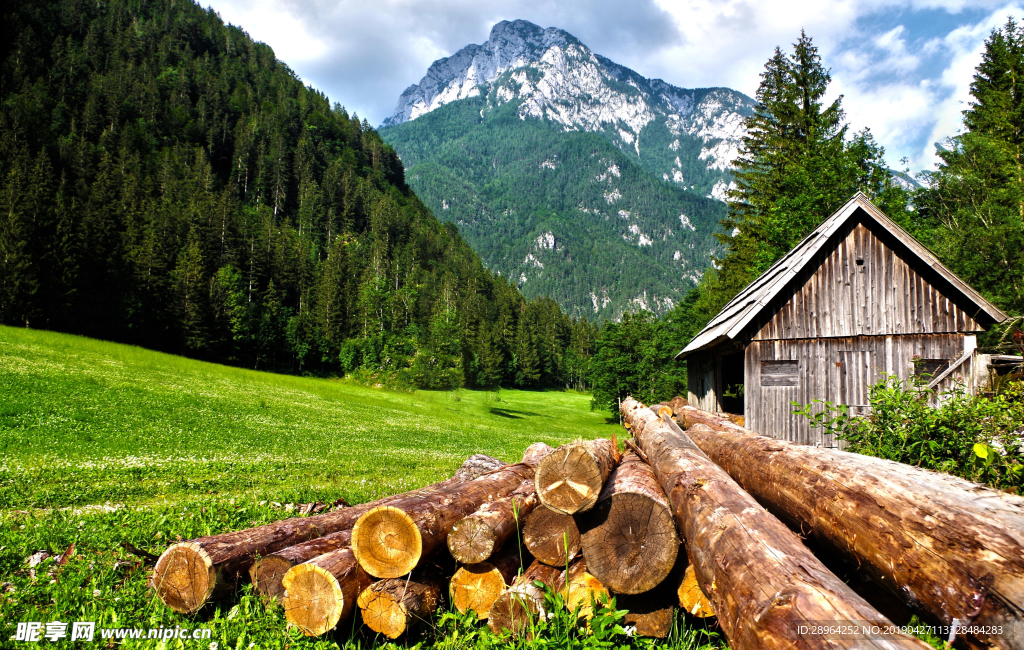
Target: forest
[(167, 182)]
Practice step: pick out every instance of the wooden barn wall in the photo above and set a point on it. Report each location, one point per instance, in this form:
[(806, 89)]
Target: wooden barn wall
[(702, 381), (836, 297), (839, 370)]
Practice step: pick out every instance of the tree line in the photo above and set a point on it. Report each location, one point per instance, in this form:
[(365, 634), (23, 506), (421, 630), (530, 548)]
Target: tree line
[(167, 182)]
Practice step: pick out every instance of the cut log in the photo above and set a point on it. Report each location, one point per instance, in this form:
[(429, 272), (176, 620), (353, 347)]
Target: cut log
[(580, 588), (320, 593), (517, 609), (388, 541), (629, 538), (768, 590), (267, 574), (476, 537), (677, 403), (192, 572), (476, 586), (570, 479), (392, 606), (951, 548), (691, 598), (552, 537)]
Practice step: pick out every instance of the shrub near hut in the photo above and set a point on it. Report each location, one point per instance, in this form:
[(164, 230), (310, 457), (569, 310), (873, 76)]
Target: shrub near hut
[(976, 437)]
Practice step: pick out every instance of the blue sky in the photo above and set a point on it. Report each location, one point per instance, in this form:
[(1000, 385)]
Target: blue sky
[(904, 68)]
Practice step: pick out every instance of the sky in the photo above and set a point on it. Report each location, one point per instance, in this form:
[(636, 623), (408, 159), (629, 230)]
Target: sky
[(904, 68)]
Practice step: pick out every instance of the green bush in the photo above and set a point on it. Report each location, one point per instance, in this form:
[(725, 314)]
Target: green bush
[(975, 437)]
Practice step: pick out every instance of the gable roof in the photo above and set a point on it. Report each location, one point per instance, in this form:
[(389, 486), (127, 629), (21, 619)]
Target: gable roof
[(747, 304)]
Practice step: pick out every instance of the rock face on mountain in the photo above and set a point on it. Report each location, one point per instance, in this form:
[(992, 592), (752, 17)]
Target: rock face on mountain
[(558, 78), (573, 176)]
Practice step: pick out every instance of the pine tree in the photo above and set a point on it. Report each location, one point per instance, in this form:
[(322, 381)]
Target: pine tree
[(796, 167), (972, 213)]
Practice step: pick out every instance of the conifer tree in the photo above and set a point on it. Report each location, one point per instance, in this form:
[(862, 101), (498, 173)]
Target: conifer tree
[(972, 214), (797, 165)]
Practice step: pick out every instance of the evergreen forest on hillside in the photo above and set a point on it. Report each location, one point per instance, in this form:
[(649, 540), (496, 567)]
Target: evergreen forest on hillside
[(167, 182), (565, 214)]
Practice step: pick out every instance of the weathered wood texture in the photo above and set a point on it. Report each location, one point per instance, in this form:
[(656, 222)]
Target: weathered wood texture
[(840, 370), (476, 537), (517, 609), (390, 607), (763, 582), (950, 547), (323, 591), (476, 586), (570, 478), (629, 538), (388, 541), (190, 573), (835, 296), (552, 537)]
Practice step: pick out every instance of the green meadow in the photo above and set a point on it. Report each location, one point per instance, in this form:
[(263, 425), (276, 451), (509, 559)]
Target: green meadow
[(107, 444)]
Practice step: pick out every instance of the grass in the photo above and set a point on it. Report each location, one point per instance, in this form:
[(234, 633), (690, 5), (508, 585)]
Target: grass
[(105, 444)]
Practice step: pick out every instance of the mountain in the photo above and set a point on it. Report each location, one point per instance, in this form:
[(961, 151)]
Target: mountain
[(168, 182), (574, 176)]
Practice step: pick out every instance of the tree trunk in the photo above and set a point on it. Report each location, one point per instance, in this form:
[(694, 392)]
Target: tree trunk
[(479, 535), (517, 609), (268, 573), (552, 537), (323, 591), (476, 586), (582, 589), (570, 478), (950, 547), (390, 540), (629, 538), (190, 573), (390, 607), (768, 590)]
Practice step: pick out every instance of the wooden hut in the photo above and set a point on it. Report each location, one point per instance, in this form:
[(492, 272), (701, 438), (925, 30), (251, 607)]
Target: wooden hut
[(857, 298)]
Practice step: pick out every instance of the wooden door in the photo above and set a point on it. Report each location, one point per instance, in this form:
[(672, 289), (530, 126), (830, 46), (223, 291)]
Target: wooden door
[(856, 374)]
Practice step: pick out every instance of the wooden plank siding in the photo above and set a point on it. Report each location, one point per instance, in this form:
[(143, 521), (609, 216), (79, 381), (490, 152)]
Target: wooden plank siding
[(703, 381), (883, 294), (839, 370)]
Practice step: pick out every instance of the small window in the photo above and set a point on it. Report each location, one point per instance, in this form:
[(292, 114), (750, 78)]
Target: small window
[(930, 367), (779, 373)]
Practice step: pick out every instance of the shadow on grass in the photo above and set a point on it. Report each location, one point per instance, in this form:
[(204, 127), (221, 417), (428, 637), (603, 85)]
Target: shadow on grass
[(515, 415)]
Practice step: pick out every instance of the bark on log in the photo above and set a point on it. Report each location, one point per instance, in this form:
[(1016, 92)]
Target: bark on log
[(950, 547), (476, 537), (692, 598), (552, 537), (392, 606), (323, 591), (629, 538), (580, 588), (517, 609), (570, 479), (267, 574), (763, 582), (192, 572), (476, 586), (388, 541)]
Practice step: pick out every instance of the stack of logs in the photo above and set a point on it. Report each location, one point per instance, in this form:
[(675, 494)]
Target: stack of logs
[(677, 520)]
